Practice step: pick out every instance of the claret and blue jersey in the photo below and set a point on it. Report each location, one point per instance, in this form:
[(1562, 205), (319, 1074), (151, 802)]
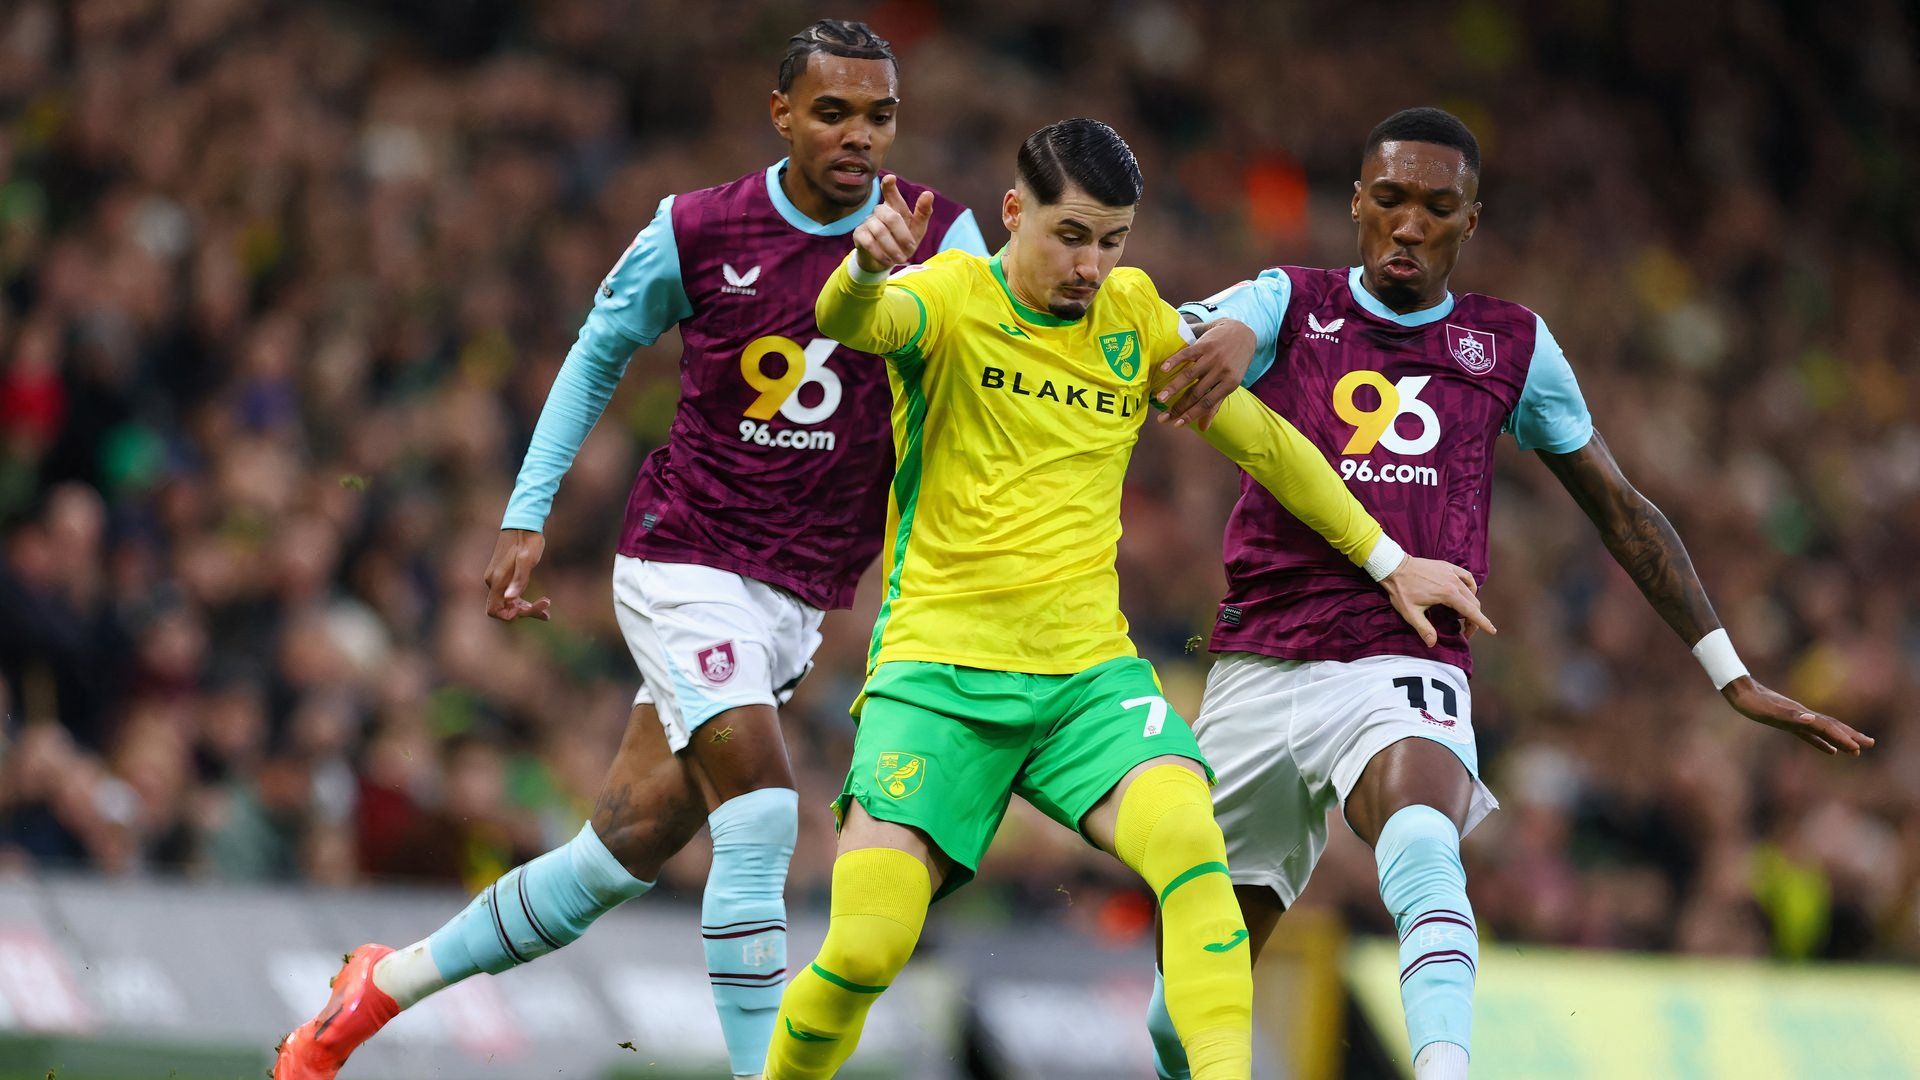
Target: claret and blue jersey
[(778, 460), (1408, 408)]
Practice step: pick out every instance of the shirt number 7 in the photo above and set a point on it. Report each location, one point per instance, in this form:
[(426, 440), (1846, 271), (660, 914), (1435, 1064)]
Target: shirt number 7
[(1156, 713)]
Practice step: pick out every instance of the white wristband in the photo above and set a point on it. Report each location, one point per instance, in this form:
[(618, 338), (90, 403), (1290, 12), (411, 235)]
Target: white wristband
[(1385, 559), (1715, 653), (861, 274)]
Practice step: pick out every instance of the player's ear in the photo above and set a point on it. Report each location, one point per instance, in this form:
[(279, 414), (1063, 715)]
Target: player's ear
[(1473, 222), (1355, 207), (1010, 211), (782, 112)]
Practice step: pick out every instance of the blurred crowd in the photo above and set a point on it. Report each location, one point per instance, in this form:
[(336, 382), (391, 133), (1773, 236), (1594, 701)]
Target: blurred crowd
[(283, 287)]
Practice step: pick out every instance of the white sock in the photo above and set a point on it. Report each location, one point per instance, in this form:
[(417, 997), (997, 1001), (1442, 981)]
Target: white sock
[(1440, 1061), (409, 974)]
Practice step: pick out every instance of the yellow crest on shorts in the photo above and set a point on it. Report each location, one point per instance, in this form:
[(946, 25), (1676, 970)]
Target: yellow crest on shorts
[(899, 774)]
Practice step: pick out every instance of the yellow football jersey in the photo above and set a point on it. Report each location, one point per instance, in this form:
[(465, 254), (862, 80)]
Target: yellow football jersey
[(1012, 430)]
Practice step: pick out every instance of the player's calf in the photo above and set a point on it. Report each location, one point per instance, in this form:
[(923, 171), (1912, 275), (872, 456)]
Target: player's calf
[(741, 756), (1166, 833), (743, 918), (529, 912), (648, 809), (880, 900), (1261, 907), (1425, 890)]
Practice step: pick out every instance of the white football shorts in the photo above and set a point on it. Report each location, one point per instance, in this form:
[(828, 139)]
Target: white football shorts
[(707, 640), (1288, 740)]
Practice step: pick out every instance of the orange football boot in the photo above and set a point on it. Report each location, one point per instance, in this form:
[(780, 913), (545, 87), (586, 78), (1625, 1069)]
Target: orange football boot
[(357, 1009)]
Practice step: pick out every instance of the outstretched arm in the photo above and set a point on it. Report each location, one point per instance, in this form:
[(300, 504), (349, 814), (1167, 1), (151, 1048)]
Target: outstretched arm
[(1287, 464), (1645, 545)]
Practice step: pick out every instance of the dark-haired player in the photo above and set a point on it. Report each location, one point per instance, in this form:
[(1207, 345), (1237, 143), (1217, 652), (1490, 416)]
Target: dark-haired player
[(1321, 695), (1000, 662), (763, 508)]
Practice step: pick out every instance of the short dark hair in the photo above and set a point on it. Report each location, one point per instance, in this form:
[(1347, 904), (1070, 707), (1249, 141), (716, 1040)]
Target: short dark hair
[(1428, 125), (1087, 152), (835, 37)]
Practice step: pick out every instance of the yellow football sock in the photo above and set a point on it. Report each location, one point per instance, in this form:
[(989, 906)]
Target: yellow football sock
[(880, 899), (1167, 834)]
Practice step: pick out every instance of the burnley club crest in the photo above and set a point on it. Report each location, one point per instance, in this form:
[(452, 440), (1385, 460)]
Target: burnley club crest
[(717, 663), (1471, 349)]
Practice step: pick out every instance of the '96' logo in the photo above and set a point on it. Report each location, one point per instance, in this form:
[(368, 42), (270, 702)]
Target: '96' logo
[(1378, 426), (782, 393)]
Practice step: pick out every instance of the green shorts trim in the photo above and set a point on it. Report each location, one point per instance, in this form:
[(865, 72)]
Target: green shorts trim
[(942, 748)]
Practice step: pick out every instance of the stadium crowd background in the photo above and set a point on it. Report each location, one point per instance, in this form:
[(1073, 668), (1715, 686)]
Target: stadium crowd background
[(283, 286)]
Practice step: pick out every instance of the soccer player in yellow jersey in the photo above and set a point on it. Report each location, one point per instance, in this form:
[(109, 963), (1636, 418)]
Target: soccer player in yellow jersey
[(1000, 662)]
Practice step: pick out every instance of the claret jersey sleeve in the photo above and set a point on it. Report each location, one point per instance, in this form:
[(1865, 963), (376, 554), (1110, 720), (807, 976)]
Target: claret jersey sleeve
[(639, 300), (1261, 304), (1551, 415)]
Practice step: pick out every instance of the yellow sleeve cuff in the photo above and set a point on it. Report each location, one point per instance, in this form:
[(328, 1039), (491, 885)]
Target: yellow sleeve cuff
[(868, 315)]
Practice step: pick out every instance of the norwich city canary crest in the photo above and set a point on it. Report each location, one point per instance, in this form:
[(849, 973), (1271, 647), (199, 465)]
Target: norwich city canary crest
[(900, 774), (1122, 351)]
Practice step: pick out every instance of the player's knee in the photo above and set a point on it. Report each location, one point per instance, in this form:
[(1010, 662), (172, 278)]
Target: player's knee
[(753, 838), (1191, 825), (880, 899), (1167, 811), (1418, 857)]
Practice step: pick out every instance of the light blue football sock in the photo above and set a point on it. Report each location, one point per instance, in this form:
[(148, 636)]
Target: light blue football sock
[(1169, 1057), (534, 909), (1425, 890), (743, 918)]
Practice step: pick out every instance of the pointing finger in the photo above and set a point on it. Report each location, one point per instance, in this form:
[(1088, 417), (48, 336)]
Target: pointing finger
[(890, 194), (902, 232)]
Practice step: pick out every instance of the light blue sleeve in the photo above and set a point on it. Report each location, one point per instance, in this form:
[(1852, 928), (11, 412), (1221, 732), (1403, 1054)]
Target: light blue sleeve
[(1551, 416), (964, 234), (637, 302), (1261, 304)]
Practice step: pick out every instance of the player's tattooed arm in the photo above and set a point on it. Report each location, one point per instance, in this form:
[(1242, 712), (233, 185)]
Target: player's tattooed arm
[(1646, 546), (1640, 537)]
